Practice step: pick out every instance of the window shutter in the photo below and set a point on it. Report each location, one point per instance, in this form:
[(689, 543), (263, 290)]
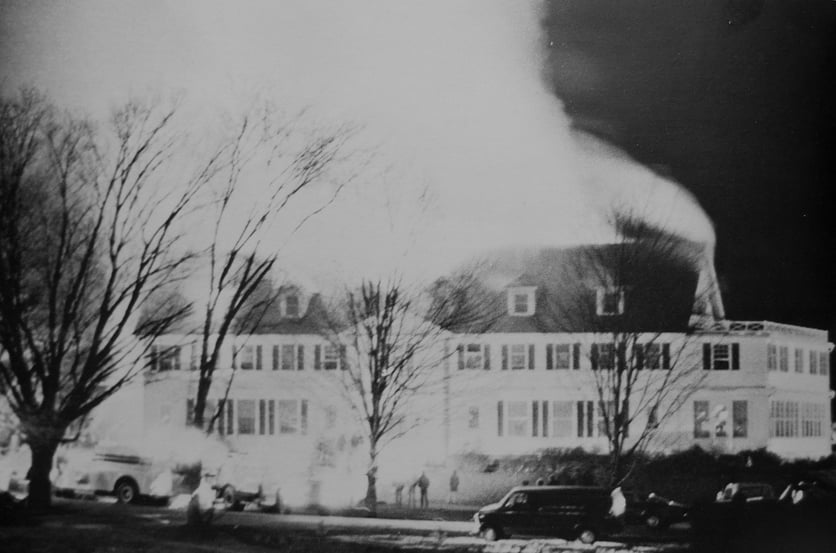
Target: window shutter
[(303, 417), (189, 412), (499, 418), (275, 358), (545, 419), (504, 358), (487, 357), (343, 358), (258, 358), (262, 415), (535, 419), (152, 358), (638, 354), (230, 417), (549, 357), (460, 348), (531, 357), (177, 358), (666, 357), (576, 356), (621, 356), (594, 357), (706, 357), (580, 419), (317, 356), (221, 420), (300, 353), (590, 417), (234, 356), (735, 356), (271, 417)]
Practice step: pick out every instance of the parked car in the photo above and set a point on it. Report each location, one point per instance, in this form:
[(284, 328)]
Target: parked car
[(654, 511), (569, 512), (114, 470), (746, 491), (240, 481)]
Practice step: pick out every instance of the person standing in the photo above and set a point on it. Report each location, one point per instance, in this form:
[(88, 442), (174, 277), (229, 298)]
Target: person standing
[(423, 485), (454, 486)]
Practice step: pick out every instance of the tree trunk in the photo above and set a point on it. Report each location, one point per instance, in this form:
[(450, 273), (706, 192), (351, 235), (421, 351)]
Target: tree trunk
[(371, 483), (40, 487), (199, 415)]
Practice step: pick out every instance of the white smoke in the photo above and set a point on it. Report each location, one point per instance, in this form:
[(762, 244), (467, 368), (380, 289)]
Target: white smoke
[(449, 94)]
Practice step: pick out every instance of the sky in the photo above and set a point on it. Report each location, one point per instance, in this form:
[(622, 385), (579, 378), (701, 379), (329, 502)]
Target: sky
[(735, 100), (471, 151), (502, 123)]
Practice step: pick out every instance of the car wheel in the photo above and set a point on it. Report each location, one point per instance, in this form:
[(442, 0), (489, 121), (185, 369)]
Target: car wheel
[(489, 533), (653, 521), (587, 536), (126, 491), (230, 501)]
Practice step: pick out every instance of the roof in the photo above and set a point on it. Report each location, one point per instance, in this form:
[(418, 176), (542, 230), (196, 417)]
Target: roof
[(660, 287)]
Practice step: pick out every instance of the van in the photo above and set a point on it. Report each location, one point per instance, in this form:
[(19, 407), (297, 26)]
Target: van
[(569, 512)]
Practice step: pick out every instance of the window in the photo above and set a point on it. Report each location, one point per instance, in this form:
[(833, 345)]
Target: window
[(226, 412), (518, 356), (288, 357), (784, 418), (291, 306), (562, 419), (521, 301), (609, 301), (824, 362), (474, 356), (246, 358), (518, 418), (740, 419), (603, 356), (586, 419), (519, 359), (721, 357), (473, 417), (331, 358), (783, 359), (293, 416), (721, 421), (194, 356), (811, 420), (771, 357), (701, 419), (799, 360), (520, 304), (814, 362), (246, 416), (164, 358)]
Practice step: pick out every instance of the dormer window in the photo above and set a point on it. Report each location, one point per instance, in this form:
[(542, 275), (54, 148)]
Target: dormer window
[(291, 306), (609, 301), (521, 301)]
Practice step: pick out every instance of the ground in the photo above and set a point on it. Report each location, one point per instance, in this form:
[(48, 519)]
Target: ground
[(95, 527)]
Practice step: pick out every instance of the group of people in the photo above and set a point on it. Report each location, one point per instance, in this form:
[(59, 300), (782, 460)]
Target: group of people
[(422, 484)]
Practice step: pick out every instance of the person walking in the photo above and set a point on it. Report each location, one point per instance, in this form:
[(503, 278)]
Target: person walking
[(423, 485), (454, 487)]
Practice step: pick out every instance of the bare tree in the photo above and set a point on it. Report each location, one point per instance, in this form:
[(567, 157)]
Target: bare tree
[(634, 298), (286, 160), (389, 342), (87, 235)]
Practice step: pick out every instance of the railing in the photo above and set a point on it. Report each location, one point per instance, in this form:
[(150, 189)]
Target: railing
[(764, 327)]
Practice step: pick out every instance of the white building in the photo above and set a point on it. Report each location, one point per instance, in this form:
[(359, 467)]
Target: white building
[(525, 381)]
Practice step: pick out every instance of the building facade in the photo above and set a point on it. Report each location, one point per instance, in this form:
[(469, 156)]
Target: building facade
[(526, 380)]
